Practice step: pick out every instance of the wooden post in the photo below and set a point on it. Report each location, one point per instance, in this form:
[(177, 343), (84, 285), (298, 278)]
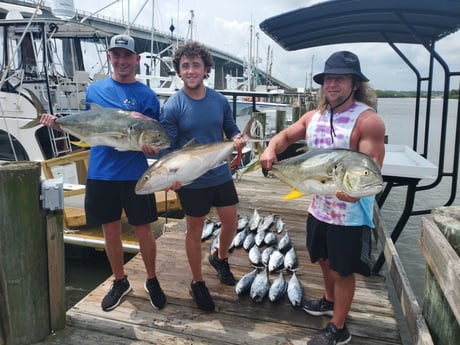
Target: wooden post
[(56, 270), (295, 113), (440, 244), (24, 305), (280, 120)]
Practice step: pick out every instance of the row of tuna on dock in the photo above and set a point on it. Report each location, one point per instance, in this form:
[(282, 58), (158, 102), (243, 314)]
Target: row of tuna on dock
[(270, 251)]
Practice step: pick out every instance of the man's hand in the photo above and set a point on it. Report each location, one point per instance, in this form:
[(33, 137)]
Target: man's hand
[(345, 197)]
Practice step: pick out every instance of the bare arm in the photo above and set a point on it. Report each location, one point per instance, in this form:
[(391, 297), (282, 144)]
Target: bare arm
[(371, 139), (48, 121), (283, 139)]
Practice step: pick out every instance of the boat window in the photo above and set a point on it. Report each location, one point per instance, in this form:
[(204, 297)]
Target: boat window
[(6, 151)]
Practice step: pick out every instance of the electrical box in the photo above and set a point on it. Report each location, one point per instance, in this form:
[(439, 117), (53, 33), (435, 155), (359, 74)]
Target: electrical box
[(52, 196)]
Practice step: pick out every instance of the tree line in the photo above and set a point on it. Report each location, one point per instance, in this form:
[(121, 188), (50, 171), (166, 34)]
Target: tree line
[(410, 94)]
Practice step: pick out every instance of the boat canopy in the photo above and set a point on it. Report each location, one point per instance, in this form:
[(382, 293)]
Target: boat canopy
[(350, 21), (419, 22)]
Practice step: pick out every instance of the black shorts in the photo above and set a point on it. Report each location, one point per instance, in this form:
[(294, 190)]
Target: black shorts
[(348, 248), (105, 200), (198, 202)]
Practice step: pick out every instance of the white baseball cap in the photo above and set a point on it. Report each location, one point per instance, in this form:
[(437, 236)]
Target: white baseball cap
[(122, 41)]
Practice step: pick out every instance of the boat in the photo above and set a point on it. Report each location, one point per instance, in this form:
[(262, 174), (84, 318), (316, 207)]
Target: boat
[(43, 58), (46, 60)]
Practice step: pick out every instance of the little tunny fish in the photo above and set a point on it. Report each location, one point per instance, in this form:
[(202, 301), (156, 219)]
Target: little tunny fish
[(121, 129), (276, 261), (255, 256), (249, 241), (295, 291), (260, 286), (291, 263), (285, 243), (325, 171), (244, 284), (208, 228), (278, 288)]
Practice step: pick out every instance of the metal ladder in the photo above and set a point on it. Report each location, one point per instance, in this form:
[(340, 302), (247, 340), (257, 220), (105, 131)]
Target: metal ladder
[(60, 142)]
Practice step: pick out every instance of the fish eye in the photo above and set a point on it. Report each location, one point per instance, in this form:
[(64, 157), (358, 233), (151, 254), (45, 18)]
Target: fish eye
[(146, 177), (366, 172)]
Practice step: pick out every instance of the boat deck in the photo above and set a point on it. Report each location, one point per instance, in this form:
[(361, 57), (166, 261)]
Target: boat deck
[(237, 319)]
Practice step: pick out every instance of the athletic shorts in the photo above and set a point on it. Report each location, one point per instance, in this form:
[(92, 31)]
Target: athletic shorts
[(348, 248), (198, 202), (105, 200)]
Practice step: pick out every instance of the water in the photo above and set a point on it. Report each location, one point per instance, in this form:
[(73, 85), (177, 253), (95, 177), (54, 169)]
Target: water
[(84, 275)]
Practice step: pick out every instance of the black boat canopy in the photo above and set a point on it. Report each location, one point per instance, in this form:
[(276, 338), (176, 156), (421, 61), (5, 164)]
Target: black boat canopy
[(350, 21), (420, 22)]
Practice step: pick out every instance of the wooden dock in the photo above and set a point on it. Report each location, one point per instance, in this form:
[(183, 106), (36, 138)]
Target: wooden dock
[(237, 320)]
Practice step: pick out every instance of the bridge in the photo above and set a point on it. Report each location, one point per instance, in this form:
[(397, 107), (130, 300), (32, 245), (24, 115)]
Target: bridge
[(224, 63)]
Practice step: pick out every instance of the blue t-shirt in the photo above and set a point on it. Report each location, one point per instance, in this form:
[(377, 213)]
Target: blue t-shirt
[(205, 121), (107, 163)]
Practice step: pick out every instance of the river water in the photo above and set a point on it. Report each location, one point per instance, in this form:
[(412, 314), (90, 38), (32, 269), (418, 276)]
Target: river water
[(87, 269)]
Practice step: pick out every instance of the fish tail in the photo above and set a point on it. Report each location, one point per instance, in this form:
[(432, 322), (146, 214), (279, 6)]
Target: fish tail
[(38, 107)]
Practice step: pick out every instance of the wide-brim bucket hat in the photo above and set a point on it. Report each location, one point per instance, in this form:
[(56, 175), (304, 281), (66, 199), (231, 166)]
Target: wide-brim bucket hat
[(342, 62)]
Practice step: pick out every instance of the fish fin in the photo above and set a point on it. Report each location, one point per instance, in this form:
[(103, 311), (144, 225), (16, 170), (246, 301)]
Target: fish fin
[(80, 143), (294, 194), (38, 107), (191, 142)]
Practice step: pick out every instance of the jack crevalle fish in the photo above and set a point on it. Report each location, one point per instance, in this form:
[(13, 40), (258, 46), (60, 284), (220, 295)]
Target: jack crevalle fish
[(185, 165), (325, 171), (122, 129)]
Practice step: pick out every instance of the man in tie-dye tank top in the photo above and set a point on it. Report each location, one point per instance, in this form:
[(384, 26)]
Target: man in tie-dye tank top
[(338, 226)]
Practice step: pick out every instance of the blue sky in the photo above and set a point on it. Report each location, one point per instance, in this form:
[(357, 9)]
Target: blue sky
[(226, 26)]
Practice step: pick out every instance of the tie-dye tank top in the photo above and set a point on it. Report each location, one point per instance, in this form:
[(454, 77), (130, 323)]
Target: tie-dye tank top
[(328, 208)]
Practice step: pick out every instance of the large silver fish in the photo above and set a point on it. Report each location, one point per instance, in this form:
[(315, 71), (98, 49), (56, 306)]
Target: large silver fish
[(185, 165), (325, 171), (121, 129)]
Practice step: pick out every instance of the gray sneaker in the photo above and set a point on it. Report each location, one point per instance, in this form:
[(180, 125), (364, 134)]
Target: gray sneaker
[(120, 288), (330, 335), (319, 307)]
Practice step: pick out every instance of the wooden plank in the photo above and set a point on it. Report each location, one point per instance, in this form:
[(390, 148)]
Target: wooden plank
[(237, 319), (56, 270), (443, 262), (417, 326)]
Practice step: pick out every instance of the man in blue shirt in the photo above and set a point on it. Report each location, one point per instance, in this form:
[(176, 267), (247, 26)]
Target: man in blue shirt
[(112, 174), (204, 115)]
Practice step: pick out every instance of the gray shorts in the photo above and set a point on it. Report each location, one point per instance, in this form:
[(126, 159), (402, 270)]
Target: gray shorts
[(348, 248)]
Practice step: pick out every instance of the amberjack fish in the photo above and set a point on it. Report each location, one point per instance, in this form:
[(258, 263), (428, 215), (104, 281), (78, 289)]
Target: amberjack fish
[(186, 164), (325, 171), (122, 129)]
